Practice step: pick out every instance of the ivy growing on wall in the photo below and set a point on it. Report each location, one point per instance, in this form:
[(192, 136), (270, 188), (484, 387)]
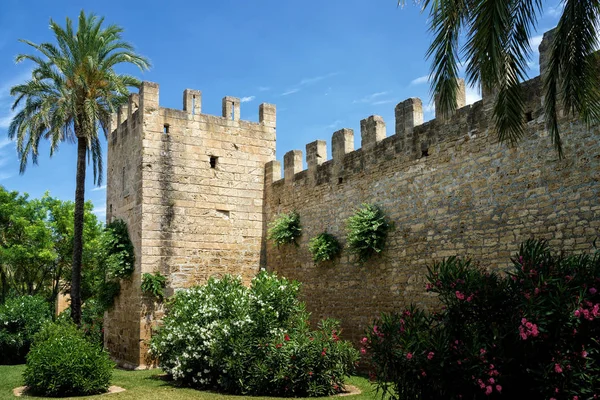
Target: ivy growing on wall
[(285, 229), (154, 285), (120, 258), (324, 247), (367, 231)]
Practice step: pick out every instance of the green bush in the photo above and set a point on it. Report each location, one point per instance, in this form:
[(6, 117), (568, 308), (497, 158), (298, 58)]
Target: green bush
[(63, 363), (92, 320), (120, 257), (367, 231), (531, 334), (324, 247), (20, 319), (154, 284), (251, 341), (285, 228)]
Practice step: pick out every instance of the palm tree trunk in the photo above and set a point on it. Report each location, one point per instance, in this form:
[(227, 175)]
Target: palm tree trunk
[(78, 231)]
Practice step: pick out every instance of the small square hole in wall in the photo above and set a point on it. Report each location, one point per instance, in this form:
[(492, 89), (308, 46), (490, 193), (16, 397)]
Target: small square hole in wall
[(425, 153), (340, 180), (166, 128), (213, 161), (529, 116)]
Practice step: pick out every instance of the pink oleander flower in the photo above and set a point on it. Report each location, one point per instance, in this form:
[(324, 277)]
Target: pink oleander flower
[(363, 350), (409, 356), (430, 355), (558, 368), (499, 388), (488, 390), (459, 295), (592, 290), (364, 340), (577, 313)]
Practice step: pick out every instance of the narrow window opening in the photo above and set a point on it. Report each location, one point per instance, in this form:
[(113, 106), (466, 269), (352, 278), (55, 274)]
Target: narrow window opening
[(529, 116), (232, 110), (213, 161), (193, 104), (425, 153), (224, 213), (340, 180), (166, 128)]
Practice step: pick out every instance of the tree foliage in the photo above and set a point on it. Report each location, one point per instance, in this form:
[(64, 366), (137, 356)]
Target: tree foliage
[(493, 37), (72, 93)]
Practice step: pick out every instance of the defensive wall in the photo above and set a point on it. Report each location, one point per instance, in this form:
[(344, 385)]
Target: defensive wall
[(449, 188), (198, 191)]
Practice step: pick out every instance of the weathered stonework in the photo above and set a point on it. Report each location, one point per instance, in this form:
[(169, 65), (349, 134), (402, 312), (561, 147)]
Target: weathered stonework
[(449, 188), (190, 187), (197, 192)]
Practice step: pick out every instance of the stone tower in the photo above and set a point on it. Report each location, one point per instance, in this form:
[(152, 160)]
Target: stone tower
[(191, 188)]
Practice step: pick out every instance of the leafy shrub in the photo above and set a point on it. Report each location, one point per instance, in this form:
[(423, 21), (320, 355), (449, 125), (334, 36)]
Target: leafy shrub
[(20, 319), (324, 247), (154, 284), (530, 334), (92, 320), (367, 231), (252, 340), (120, 257), (285, 228), (63, 363)]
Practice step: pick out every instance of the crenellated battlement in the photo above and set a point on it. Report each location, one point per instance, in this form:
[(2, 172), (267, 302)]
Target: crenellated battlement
[(412, 139), (148, 100)]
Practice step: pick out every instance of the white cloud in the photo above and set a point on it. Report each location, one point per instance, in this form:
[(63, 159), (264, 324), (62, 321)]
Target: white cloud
[(535, 42), (307, 81), (99, 188), (429, 108), (247, 99), (472, 94), (291, 91), (376, 103), (5, 175), (420, 80), (556, 11), (370, 98), (100, 211), (5, 120), (263, 88), (334, 124), (4, 142)]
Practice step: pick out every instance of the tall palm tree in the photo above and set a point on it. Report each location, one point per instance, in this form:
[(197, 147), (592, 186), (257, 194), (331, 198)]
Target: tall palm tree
[(71, 95), (496, 47)]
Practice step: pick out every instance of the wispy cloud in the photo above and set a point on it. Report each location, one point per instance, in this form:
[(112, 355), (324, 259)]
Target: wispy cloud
[(100, 211), (291, 91), (556, 11), (6, 119), (99, 188), (334, 124), (370, 98), (5, 175), (6, 114), (263, 88), (315, 79), (379, 102), (535, 42), (420, 80), (247, 99), (473, 94)]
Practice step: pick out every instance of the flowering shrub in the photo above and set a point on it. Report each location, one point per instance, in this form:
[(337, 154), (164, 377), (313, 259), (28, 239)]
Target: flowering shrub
[(324, 247), (367, 231), (20, 319), (251, 340), (532, 333), (285, 228)]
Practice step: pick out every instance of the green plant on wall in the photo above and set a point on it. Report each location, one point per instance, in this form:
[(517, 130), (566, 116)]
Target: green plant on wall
[(120, 258), (324, 247), (367, 231), (154, 284), (285, 228)]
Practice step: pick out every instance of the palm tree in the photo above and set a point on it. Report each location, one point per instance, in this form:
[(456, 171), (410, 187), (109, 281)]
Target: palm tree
[(72, 93), (497, 47)]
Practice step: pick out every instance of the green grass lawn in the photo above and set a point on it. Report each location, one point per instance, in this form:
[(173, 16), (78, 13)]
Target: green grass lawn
[(148, 385)]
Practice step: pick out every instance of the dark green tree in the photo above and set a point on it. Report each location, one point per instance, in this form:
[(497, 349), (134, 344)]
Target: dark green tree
[(496, 48), (71, 95)]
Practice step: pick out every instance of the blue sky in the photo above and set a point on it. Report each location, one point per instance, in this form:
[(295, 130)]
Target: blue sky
[(326, 65)]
